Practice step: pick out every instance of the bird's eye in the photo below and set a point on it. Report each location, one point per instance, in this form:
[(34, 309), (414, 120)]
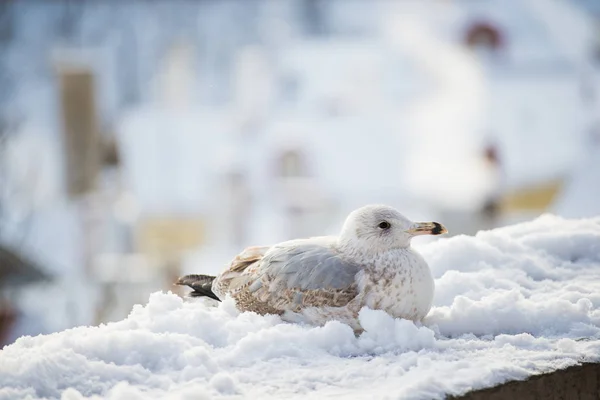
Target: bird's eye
[(384, 225)]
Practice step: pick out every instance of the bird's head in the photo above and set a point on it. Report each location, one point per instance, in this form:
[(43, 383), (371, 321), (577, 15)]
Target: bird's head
[(380, 228)]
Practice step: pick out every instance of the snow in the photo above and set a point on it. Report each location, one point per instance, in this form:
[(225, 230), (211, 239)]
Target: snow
[(510, 303)]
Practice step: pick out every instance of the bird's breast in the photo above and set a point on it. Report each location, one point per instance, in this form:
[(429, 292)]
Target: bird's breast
[(400, 284)]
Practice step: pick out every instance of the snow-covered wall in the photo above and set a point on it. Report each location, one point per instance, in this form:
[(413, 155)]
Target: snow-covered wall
[(510, 303)]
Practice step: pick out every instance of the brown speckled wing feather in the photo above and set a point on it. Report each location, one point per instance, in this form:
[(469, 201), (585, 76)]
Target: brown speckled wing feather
[(239, 271)]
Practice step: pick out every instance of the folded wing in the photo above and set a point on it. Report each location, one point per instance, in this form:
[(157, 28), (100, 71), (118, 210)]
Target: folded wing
[(292, 276)]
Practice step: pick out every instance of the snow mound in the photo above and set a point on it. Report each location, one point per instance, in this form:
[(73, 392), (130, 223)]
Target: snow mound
[(509, 303)]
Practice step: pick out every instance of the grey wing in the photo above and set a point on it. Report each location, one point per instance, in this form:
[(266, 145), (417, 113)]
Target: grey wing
[(304, 275)]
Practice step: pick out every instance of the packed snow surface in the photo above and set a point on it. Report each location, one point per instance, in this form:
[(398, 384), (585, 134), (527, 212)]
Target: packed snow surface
[(510, 303)]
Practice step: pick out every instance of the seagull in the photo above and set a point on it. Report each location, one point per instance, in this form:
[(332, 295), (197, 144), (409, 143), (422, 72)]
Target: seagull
[(315, 280)]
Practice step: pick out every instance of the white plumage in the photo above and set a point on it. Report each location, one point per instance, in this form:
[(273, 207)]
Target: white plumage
[(318, 279)]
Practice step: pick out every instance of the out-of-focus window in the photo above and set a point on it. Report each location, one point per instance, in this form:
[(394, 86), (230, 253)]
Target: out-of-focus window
[(291, 164)]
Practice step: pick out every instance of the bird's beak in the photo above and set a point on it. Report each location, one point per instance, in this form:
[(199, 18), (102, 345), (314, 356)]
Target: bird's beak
[(427, 228)]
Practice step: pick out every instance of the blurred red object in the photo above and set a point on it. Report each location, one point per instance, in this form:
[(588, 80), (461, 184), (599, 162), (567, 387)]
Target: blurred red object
[(8, 316)]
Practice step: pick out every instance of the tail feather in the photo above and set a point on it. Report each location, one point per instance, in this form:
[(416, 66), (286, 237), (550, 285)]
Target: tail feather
[(202, 285)]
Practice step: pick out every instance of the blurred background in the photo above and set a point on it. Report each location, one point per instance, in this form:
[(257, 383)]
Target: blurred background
[(140, 140)]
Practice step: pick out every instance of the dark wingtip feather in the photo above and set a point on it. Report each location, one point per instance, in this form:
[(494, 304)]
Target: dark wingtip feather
[(195, 279), (202, 285)]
